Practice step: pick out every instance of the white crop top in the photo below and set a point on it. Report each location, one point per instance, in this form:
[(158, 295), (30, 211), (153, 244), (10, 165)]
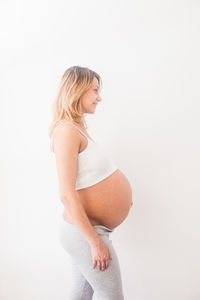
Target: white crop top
[(93, 164)]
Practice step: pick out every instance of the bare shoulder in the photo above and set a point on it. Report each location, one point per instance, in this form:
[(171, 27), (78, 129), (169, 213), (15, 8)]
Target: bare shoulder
[(65, 134)]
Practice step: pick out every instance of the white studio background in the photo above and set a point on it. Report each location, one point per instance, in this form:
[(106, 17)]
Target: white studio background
[(147, 53)]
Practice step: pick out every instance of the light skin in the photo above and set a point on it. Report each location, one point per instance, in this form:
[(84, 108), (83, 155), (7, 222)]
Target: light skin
[(90, 98)]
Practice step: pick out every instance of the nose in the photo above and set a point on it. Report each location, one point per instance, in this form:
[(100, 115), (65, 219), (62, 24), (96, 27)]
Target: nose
[(99, 99)]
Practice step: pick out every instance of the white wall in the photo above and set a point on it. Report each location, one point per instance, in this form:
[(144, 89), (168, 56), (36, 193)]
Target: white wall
[(147, 53)]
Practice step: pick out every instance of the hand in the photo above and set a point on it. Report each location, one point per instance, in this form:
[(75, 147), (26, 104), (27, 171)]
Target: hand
[(100, 256)]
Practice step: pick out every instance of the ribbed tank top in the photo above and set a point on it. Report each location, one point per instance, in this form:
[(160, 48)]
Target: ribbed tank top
[(93, 164)]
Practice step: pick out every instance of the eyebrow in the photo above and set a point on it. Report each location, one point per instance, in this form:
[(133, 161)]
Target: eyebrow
[(97, 86)]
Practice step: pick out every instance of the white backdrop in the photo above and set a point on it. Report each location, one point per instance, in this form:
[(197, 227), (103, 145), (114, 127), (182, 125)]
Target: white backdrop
[(147, 53)]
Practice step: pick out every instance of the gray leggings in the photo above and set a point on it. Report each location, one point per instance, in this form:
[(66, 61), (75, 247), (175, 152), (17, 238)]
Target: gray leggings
[(84, 280)]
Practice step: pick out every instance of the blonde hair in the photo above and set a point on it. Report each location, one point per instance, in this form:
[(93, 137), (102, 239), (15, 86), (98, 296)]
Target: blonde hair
[(67, 106)]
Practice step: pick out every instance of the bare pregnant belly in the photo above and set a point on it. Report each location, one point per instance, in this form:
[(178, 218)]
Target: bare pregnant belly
[(108, 202)]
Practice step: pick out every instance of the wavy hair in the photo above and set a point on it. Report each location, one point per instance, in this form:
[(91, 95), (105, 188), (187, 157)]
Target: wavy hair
[(67, 106)]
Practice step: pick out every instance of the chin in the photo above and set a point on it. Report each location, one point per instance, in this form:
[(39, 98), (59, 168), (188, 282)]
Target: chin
[(90, 111)]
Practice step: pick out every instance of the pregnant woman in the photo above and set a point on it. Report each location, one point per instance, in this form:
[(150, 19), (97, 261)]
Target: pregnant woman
[(95, 194)]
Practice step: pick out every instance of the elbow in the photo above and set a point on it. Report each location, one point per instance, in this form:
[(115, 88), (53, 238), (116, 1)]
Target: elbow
[(63, 199), (67, 199)]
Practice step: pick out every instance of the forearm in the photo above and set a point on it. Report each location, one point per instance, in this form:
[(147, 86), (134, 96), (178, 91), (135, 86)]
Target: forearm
[(80, 219)]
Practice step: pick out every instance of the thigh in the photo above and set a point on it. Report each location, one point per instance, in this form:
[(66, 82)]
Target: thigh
[(79, 287), (106, 284)]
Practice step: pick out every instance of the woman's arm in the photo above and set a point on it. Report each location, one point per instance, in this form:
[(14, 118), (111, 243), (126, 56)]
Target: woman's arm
[(66, 143)]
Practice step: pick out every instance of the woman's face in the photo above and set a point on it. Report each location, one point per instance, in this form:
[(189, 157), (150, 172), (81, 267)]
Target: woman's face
[(91, 97)]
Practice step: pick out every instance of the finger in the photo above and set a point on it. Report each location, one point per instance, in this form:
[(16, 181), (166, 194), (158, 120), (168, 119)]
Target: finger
[(99, 265), (94, 264), (107, 264), (102, 265)]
